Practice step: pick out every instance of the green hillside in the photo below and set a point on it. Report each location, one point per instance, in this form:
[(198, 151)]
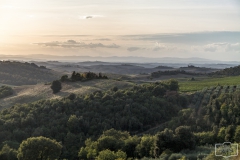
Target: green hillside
[(203, 82), (74, 119), (150, 120)]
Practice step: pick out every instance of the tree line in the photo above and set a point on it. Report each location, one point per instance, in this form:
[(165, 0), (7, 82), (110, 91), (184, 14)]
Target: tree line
[(56, 85), (82, 76)]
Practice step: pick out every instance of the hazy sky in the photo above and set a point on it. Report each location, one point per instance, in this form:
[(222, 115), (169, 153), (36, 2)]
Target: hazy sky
[(172, 28)]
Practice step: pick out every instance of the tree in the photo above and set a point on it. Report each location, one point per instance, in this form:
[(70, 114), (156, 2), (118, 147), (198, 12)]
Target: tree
[(237, 134), (159, 91), (163, 140), (64, 78), (107, 155), (73, 124), (8, 153), (39, 148), (173, 85), (130, 146), (146, 148), (110, 155), (109, 142), (56, 86), (73, 76), (185, 138)]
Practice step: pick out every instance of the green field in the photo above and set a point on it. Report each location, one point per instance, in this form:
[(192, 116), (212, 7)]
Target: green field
[(199, 84)]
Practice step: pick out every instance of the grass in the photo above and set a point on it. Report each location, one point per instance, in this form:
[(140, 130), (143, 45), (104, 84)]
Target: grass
[(199, 84)]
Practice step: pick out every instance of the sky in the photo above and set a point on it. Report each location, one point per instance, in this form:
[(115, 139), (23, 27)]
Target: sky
[(146, 28)]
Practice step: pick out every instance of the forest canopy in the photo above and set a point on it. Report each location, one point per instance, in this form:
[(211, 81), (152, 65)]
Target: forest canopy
[(116, 123)]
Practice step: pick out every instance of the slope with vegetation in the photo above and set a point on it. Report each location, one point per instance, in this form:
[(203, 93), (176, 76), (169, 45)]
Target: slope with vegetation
[(17, 73), (31, 93), (5, 91), (232, 71), (73, 119), (201, 83), (109, 125)]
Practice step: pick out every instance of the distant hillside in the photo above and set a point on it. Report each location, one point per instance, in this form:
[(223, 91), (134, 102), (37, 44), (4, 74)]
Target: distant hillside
[(17, 73), (232, 71), (164, 67), (174, 72)]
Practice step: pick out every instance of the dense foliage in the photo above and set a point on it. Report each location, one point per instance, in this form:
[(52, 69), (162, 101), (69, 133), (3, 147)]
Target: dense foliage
[(39, 148), (17, 73), (112, 142), (110, 125), (5, 91), (214, 115), (73, 119)]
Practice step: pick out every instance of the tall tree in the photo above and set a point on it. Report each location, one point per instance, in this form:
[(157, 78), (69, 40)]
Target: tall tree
[(42, 148), (56, 86)]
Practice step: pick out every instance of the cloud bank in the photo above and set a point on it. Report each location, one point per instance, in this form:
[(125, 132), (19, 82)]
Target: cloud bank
[(75, 44)]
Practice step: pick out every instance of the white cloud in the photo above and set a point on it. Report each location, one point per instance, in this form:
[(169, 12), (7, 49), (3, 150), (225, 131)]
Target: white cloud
[(159, 46), (210, 48), (75, 44), (233, 47)]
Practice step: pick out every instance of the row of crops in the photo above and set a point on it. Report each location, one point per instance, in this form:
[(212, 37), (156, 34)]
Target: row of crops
[(203, 97)]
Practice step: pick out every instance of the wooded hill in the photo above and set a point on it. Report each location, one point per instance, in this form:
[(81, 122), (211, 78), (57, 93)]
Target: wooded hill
[(83, 123), (17, 73), (74, 119), (232, 71)]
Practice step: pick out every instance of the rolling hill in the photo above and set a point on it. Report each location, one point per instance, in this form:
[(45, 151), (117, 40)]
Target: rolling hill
[(31, 93), (232, 71), (17, 73)]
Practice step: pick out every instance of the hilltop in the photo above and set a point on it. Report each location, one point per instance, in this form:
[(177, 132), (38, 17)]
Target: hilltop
[(18, 73)]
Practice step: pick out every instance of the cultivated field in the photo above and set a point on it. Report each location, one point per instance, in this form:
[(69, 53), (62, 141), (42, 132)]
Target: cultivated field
[(200, 83)]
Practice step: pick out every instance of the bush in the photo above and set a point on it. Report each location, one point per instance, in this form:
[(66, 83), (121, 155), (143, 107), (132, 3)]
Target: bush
[(5, 91)]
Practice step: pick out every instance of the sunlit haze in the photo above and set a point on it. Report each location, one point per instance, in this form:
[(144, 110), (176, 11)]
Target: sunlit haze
[(153, 28)]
